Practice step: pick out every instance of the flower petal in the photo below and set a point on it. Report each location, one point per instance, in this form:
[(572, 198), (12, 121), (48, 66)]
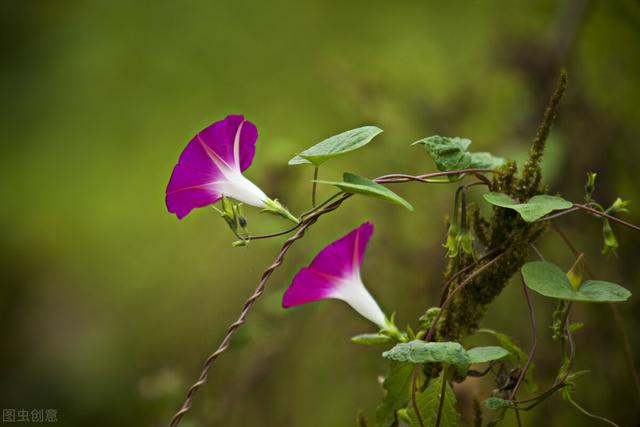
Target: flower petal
[(213, 160), (358, 297), (191, 188), (232, 141), (308, 286), (335, 273), (343, 257), (236, 186)]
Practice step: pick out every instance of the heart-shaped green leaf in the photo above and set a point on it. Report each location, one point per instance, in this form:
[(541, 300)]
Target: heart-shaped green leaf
[(451, 154), (484, 160), (359, 185), (549, 280), (486, 354), (418, 351), (535, 208), (336, 145), (447, 153)]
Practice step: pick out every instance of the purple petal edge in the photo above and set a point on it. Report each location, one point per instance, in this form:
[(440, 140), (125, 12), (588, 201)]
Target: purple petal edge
[(307, 286), (190, 184), (333, 266)]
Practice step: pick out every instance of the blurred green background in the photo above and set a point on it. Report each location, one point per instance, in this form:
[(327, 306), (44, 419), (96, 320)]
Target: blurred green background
[(109, 305)]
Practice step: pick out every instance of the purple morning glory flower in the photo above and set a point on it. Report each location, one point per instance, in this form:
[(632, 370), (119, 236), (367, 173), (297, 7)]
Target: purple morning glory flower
[(335, 273), (211, 166)]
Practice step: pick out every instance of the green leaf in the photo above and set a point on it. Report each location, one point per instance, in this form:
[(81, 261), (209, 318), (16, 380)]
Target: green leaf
[(516, 355), (428, 402), (535, 208), (337, 145), (484, 160), (372, 339), (549, 280), (451, 154), (495, 403), (398, 386), (447, 153), (418, 351), (359, 185), (486, 354)]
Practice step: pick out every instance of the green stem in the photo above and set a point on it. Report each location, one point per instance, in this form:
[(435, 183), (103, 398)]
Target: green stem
[(313, 188), (589, 414), (443, 390)]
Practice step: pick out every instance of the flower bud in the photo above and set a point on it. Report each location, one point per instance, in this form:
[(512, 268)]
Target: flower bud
[(589, 187), (610, 241), (576, 273)]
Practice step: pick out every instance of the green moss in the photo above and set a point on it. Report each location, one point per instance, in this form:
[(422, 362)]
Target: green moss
[(505, 235)]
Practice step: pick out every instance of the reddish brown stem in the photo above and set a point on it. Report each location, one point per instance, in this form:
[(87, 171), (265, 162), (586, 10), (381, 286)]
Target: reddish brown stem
[(534, 339), (606, 215), (233, 328)]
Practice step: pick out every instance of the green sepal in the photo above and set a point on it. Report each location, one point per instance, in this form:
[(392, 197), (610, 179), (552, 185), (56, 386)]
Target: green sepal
[(590, 186), (452, 240), (232, 214), (618, 206), (465, 241), (610, 243), (275, 207), (459, 240)]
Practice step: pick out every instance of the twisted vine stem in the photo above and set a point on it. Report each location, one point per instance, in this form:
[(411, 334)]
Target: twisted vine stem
[(307, 220), (246, 308)]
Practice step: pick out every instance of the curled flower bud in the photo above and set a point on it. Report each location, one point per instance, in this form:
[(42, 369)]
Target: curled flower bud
[(619, 206), (590, 185), (610, 241)]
